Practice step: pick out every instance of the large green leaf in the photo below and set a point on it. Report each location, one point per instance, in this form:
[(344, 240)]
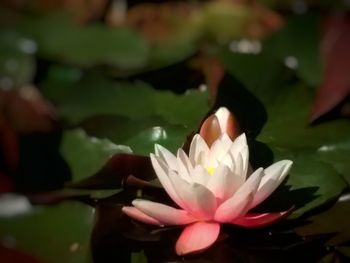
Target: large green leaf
[(61, 39), (129, 113), (299, 40), (86, 155), (55, 234)]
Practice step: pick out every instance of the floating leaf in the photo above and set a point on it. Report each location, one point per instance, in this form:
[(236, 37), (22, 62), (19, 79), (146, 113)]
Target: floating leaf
[(53, 234), (297, 46), (59, 38), (132, 114), (86, 155)]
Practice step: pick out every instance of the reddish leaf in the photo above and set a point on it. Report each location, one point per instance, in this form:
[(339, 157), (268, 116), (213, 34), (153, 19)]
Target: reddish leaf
[(11, 255), (336, 54)]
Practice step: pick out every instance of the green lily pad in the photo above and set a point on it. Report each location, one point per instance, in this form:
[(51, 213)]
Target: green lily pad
[(297, 45), (128, 113), (61, 39), (86, 155), (54, 234), (17, 63)]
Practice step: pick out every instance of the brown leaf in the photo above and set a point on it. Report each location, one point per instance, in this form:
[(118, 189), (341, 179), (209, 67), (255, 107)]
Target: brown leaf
[(27, 111)]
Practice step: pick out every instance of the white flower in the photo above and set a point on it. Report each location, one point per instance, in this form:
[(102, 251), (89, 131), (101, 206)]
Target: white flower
[(211, 186)]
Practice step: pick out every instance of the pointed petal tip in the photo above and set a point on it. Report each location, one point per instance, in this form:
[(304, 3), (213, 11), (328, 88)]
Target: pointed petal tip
[(136, 202), (257, 220)]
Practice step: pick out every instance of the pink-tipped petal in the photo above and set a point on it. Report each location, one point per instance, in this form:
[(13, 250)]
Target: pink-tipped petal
[(197, 237), (260, 220), (273, 177), (162, 170), (166, 156), (239, 203), (166, 215), (134, 213), (199, 151), (196, 198)]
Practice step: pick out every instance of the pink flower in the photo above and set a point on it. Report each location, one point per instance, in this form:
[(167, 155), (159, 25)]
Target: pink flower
[(210, 187)]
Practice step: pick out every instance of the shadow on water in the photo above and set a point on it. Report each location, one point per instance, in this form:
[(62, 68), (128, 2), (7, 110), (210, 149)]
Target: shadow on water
[(41, 166)]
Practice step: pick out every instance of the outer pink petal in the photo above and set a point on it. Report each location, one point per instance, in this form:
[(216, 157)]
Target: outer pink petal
[(140, 216), (197, 237), (260, 220), (166, 215)]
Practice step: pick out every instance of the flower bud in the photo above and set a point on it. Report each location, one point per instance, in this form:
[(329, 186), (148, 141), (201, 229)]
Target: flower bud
[(216, 124)]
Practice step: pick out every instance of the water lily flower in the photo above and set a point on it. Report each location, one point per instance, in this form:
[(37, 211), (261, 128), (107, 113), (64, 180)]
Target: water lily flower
[(211, 187)]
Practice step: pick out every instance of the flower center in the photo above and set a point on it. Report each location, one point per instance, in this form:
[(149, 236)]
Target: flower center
[(211, 170)]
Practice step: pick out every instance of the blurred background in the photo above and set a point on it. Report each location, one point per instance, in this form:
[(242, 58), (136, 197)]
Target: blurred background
[(88, 86)]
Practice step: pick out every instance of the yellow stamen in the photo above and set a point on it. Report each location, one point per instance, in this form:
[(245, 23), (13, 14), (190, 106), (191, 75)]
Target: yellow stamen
[(211, 170)]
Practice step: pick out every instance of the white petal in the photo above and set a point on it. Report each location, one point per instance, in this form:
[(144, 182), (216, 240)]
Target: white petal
[(133, 212), (162, 171), (238, 144), (184, 165), (181, 155), (245, 159), (273, 177), (223, 183), (166, 156), (199, 151), (229, 161), (222, 114), (167, 215), (219, 149), (200, 175), (239, 203), (196, 198)]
